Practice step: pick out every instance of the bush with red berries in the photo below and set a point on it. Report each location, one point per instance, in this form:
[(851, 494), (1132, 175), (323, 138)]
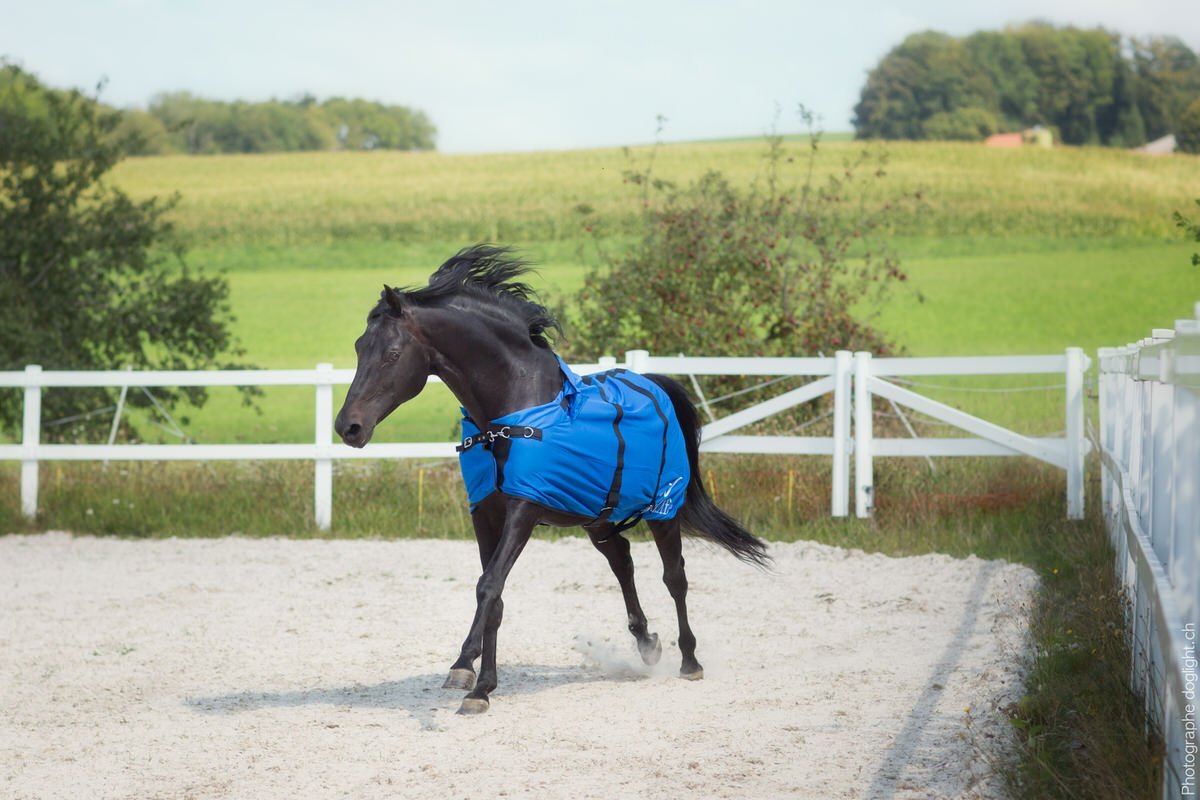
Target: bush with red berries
[(795, 264)]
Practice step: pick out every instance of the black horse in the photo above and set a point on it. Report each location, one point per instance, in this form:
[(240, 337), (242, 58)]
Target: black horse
[(480, 330)]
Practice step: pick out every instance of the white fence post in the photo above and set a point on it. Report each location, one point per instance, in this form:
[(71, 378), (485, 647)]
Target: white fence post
[(30, 436), (1162, 456), (840, 501), (1185, 497), (323, 478), (1104, 413), (864, 468), (637, 360), (1075, 439)]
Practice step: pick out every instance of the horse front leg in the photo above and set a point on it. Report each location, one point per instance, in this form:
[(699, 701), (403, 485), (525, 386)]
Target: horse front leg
[(519, 519), (487, 518)]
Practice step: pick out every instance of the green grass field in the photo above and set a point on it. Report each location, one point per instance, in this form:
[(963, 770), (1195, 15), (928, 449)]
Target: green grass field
[(1015, 251), (1012, 303)]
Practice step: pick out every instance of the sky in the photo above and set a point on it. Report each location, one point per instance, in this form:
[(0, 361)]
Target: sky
[(527, 75)]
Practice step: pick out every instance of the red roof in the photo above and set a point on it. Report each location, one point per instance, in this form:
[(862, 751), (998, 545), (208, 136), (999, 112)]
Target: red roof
[(1005, 140)]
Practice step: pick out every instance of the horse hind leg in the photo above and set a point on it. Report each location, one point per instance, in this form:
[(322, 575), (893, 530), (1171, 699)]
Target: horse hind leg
[(670, 548), (615, 548)]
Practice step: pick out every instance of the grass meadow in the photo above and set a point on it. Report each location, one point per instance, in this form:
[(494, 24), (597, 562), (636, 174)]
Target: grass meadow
[(1013, 251)]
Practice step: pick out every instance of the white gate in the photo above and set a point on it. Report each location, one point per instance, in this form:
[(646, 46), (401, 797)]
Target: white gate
[(870, 378)]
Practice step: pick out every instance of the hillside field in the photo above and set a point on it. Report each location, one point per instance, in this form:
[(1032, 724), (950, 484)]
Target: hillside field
[(1014, 251)]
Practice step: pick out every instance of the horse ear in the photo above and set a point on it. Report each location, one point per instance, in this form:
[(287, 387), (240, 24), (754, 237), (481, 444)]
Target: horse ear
[(393, 299)]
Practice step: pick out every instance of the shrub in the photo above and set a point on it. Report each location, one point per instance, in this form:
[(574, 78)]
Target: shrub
[(793, 264)]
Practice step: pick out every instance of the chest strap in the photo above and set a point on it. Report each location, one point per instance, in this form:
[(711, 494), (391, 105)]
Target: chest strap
[(493, 432)]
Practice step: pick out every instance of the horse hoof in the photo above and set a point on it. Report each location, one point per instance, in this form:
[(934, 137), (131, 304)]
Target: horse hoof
[(472, 705), (461, 679), (692, 676), (651, 650)]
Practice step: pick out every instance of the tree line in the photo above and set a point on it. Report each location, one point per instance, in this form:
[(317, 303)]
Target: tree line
[(181, 122), (1088, 86)]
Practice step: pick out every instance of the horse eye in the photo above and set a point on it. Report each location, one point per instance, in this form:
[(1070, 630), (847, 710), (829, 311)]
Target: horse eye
[(393, 355)]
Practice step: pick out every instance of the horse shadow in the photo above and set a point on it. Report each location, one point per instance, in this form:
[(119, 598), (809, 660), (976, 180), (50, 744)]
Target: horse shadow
[(420, 696)]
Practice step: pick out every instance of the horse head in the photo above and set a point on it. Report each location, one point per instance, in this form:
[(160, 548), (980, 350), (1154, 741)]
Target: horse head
[(393, 366)]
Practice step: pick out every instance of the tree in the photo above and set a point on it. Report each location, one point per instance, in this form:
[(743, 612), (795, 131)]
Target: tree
[(999, 56), (1089, 86), (1127, 127), (192, 121), (792, 265), (1076, 71), (366, 125), (1168, 75), (962, 124), (89, 278), (208, 126), (1187, 137), (927, 74), (143, 134)]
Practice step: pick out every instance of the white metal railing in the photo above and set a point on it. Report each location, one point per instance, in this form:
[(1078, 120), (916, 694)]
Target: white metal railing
[(834, 376), (1149, 444)]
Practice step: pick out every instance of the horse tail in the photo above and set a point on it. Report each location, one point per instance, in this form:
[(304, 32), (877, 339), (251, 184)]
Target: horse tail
[(699, 514)]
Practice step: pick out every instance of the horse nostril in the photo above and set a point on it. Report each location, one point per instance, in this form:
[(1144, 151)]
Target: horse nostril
[(351, 431)]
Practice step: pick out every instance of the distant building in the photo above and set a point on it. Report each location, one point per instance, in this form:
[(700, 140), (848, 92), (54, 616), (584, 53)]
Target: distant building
[(1005, 140), (1159, 147), (1038, 135)]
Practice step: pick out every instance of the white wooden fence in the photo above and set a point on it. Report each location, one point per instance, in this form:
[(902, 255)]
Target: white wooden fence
[(834, 375), (1149, 444)]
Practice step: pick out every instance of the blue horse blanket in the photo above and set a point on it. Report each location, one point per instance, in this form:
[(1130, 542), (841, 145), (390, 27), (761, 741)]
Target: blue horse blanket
[(608, 447)]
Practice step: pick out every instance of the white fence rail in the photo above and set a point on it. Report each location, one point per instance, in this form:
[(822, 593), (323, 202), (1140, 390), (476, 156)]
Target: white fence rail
[(1149, 443), (835, 375)]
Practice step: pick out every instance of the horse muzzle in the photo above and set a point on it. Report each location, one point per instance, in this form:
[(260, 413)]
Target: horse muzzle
[(353, 433)]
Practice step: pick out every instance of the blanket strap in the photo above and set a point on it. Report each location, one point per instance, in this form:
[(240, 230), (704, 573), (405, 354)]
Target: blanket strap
[(633, 519), (493, 432), (614, 489), (619, 527)]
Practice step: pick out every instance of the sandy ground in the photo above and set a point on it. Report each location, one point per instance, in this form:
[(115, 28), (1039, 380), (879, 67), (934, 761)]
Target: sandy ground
[(279, 668)]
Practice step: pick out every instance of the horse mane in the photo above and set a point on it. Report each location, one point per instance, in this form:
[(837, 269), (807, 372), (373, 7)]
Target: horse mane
[(489, 273)]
